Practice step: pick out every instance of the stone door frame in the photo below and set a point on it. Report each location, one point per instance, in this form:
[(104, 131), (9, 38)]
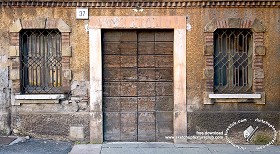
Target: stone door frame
[(178, 24)]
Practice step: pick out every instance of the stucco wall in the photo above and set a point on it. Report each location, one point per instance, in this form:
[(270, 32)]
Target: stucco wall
[(79, 40)]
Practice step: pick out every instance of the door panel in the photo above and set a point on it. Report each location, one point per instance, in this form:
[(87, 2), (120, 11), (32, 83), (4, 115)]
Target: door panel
[(137, 85)]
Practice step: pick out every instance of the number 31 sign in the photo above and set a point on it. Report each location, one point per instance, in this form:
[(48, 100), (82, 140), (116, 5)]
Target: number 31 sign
[(81, 13)]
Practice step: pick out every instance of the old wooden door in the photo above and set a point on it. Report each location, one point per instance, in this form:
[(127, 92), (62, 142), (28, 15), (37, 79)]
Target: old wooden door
[(137, 84)]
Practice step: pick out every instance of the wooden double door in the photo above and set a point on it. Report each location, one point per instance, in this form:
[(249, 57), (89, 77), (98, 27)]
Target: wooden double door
[(137, 85)]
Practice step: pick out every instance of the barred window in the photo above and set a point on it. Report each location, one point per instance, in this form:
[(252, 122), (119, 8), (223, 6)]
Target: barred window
[(233, 61), (40, 61)]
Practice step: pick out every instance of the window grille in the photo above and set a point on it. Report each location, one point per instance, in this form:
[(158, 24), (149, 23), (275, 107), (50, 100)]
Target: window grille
[(40, 61), (233, 61)]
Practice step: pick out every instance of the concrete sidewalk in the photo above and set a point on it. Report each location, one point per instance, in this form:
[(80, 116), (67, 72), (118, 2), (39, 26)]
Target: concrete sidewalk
[(168, 148)]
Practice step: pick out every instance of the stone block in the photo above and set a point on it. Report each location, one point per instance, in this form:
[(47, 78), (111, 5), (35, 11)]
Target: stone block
[(16, 86), (259, 73), (260, 50), (16, 27), (77, 132), (208, 73), (234, 22), (14, 51), (206, 99), (51, 23), (257, 26), (14, 74), (208, 50), (67, 74), (80, 88), (38, 23), (210, 27), (62, 26), (66, 51)]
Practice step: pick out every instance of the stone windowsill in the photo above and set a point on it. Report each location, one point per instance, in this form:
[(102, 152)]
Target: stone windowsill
[(38, 99), (236, 98)]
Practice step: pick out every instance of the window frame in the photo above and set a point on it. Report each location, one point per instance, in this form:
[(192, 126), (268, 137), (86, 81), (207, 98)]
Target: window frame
[(222, 43), (41, 85), (257, 95), (17, 97)]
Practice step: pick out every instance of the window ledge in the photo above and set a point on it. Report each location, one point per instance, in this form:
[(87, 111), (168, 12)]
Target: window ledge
[(38, 99), (210, 98), (235, 96)]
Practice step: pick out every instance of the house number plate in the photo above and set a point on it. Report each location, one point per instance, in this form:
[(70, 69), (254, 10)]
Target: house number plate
[(81, 13)]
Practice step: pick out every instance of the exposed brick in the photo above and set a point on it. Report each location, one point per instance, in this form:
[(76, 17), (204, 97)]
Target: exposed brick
[(65, 39), (65, 65), (246, 23), (209, 61), (222, 24), (258, 80), (65, 60), (14, 39), (209, 38)]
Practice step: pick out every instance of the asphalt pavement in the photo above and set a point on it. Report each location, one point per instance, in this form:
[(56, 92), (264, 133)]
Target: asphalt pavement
[(37, 146)]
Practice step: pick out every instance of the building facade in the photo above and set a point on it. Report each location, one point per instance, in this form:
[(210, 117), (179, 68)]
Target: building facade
[(138, 70)]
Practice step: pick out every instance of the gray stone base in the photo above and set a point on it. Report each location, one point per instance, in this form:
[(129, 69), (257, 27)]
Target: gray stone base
[(227, 122), (51, 125), (4, 124)]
